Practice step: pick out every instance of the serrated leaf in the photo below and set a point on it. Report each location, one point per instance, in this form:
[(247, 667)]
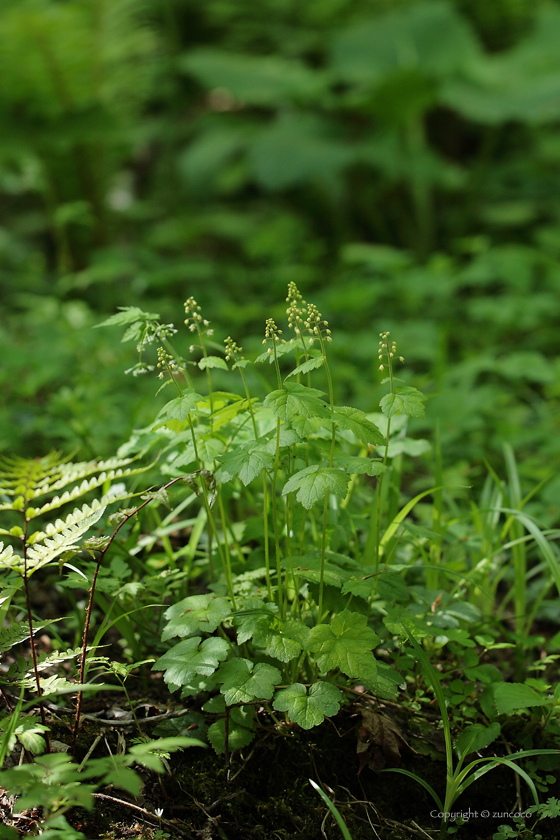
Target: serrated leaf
[(406, 400), (312, 484), (307, 367), (296, 400), (240, 730), (281, 350), (212, 362), (307, 426), (127, 315), (346, 643), (308, 710), (10, 636), (284, 641), (511, 697), (356, 421), (191, 657), (247, 461), (196, 614), (180, 407), (355, 465), (476, 737), (255, 619), (243, 681), (230, 412)]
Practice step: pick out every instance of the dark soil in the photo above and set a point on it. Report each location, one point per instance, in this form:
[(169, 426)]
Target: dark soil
[(268, 794)]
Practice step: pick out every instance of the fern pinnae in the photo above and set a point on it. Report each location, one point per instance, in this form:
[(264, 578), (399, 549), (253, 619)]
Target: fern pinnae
[(68, 539), (77, 516)]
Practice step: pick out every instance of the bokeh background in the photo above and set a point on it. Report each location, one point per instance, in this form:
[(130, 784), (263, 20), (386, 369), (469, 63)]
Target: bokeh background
[(398, 159)]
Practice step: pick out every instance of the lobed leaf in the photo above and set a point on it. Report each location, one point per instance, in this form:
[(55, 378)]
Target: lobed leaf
[(195, 614), (346, 643), (243, 681), (191, 657), (312, 484), (308, 709)]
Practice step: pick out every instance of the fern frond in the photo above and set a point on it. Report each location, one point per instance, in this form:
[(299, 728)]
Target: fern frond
[(78, 515), (18, 474), (10, 636), (85, 487), (8, 559), (81, 470), (68, 540)]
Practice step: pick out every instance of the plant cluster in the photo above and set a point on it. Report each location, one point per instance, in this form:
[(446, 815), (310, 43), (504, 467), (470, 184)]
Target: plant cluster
[(302, 583)]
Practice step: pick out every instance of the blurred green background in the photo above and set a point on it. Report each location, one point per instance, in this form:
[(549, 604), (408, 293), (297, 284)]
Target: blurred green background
[(398, 159)]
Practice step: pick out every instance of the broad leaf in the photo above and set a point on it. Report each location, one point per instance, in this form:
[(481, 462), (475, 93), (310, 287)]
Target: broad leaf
[(308, 710), (181, 407), (196, 614), (295, 400), (307, 367), (127, 315), (212, 362), (243, 681), (407, 400), (476, 737), (241, 729), (354, 465), (511, 697), (312, 484), (346, 643), (191, 657), (356, 421), (247, 461)]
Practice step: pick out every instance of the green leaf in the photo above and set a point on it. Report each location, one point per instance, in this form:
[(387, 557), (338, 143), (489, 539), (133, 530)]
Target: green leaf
[(296, 400), (432, 38), (255, 619), (244, 681), (346, 643), (281, 350), (241, 730), (511, 697), (356, 421), (308, 710), (180, 407), (312, 484), (190, 657), (476, 737), (306, 367), (284, 641), (128, 315), (247, 461), (212, 362), (308, 567), (196, 614), (255, 79), (407, 400), (354, 465)]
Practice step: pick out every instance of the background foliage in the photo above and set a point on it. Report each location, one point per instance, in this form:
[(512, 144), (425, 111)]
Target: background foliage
[(399, 160)]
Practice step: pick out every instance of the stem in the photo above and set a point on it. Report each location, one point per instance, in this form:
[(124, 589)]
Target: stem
[(326, 502), (102, 553), (31, 633)]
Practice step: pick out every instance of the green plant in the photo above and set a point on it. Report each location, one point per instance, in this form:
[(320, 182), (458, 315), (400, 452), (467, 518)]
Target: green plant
[(280, 457), (458, 779)]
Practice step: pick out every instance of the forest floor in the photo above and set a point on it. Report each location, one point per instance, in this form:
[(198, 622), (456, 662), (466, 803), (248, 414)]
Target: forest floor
[(265, 793)]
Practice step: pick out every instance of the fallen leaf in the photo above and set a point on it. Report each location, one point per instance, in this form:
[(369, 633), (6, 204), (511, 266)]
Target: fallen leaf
[(380, 741)]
